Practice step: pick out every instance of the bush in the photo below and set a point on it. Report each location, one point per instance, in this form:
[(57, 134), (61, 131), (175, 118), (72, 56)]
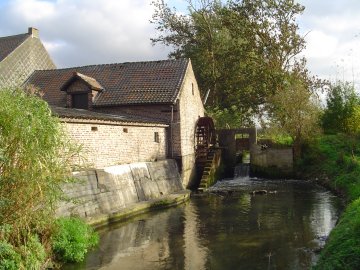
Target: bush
[(9, 258), (342, 109), (72, 239), (31, 256), (35, 161), (34, 254)]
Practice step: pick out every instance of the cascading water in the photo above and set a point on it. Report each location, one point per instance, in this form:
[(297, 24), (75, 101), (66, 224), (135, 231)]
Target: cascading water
[(242, 171)]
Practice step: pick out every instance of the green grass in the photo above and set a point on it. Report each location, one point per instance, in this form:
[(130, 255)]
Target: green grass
[(335, 159)]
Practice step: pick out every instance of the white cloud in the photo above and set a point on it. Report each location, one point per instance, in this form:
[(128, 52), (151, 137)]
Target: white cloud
[(320, 45), (32, 10), (80, 32), (332, 43)]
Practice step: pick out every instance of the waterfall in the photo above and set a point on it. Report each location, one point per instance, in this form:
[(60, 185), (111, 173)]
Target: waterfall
[(242, 170)]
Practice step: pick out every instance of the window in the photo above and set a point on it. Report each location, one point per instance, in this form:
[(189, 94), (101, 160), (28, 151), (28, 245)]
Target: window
[(80, 101), (156, 137), (125, 130), (94, 128), (192, 88)]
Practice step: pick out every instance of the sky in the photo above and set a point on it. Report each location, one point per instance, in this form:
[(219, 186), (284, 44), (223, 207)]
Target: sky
[(83, 32)]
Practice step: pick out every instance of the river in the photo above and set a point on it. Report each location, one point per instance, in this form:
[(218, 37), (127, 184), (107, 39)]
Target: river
[(228, 228)]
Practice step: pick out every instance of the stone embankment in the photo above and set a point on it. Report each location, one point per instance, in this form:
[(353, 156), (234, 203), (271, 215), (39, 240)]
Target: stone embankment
[(114, 193)]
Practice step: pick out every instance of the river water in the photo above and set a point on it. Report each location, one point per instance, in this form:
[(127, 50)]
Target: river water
[(228, 228)]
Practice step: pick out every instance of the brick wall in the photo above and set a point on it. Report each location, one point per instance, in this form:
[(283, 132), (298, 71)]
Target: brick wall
[(105, 144), (186, 113), (21, 63), (191, 109), (161, 112)]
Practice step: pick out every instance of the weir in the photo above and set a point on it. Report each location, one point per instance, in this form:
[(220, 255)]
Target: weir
[(242, 170)]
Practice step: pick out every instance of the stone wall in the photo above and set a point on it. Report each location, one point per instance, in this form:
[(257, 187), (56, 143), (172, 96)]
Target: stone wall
[(105, 144), (271, 161), (191, 109), (20, 64), (106, 191)]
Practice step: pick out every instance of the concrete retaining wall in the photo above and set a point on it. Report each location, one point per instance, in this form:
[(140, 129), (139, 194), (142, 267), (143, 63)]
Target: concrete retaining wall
[(275, 161), (113, 189)]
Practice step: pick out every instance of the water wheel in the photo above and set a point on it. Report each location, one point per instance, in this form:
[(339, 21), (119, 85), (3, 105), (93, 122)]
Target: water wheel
[(205, 138)]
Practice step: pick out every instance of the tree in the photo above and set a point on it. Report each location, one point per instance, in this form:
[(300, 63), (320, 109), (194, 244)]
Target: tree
[(296, 111), (341, 104), (35, 159), (240, 50)]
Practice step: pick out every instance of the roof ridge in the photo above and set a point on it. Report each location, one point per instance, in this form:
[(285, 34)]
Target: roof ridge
[(113, 64), (18, 35)]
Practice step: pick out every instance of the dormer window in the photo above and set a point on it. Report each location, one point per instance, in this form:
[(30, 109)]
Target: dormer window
[(81, 91)]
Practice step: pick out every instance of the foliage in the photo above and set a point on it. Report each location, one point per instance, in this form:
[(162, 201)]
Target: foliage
[(353, 122), (29, 256), (275, 137), (72, 239), (34, 162), (338, 158), (228, 117), (342, 111), (9, 258), (342, 251), (296, 111), (240, 50), (33, 253)]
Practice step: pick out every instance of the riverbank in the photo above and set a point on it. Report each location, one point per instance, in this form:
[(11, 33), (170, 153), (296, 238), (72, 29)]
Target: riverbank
[(334, 161)]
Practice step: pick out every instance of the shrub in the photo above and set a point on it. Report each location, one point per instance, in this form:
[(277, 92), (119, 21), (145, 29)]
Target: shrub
[(33, 253), (9, 258), (31, 256), (342, 109), (72, 239), (35, 161)]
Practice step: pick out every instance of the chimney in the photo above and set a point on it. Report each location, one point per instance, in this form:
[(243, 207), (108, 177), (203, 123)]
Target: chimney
[(33, 32)]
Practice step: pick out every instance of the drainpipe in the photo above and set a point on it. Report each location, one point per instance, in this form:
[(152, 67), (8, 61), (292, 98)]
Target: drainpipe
[(171, 132), (206, 96)]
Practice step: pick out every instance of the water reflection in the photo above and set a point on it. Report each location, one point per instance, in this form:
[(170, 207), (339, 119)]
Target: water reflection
[(225, 230)]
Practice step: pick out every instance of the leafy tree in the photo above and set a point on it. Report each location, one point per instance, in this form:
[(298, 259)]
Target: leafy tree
[(240, 50), (296, 111), (341, 111), (229, 117), (35, 159), (353, 122)]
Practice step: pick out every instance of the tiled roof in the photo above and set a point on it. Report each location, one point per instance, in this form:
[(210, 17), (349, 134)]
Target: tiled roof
[(154, 82), (94, 84), (85, 114), (9, 44)]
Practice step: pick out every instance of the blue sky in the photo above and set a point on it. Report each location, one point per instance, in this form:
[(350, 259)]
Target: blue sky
[(81, 32)]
